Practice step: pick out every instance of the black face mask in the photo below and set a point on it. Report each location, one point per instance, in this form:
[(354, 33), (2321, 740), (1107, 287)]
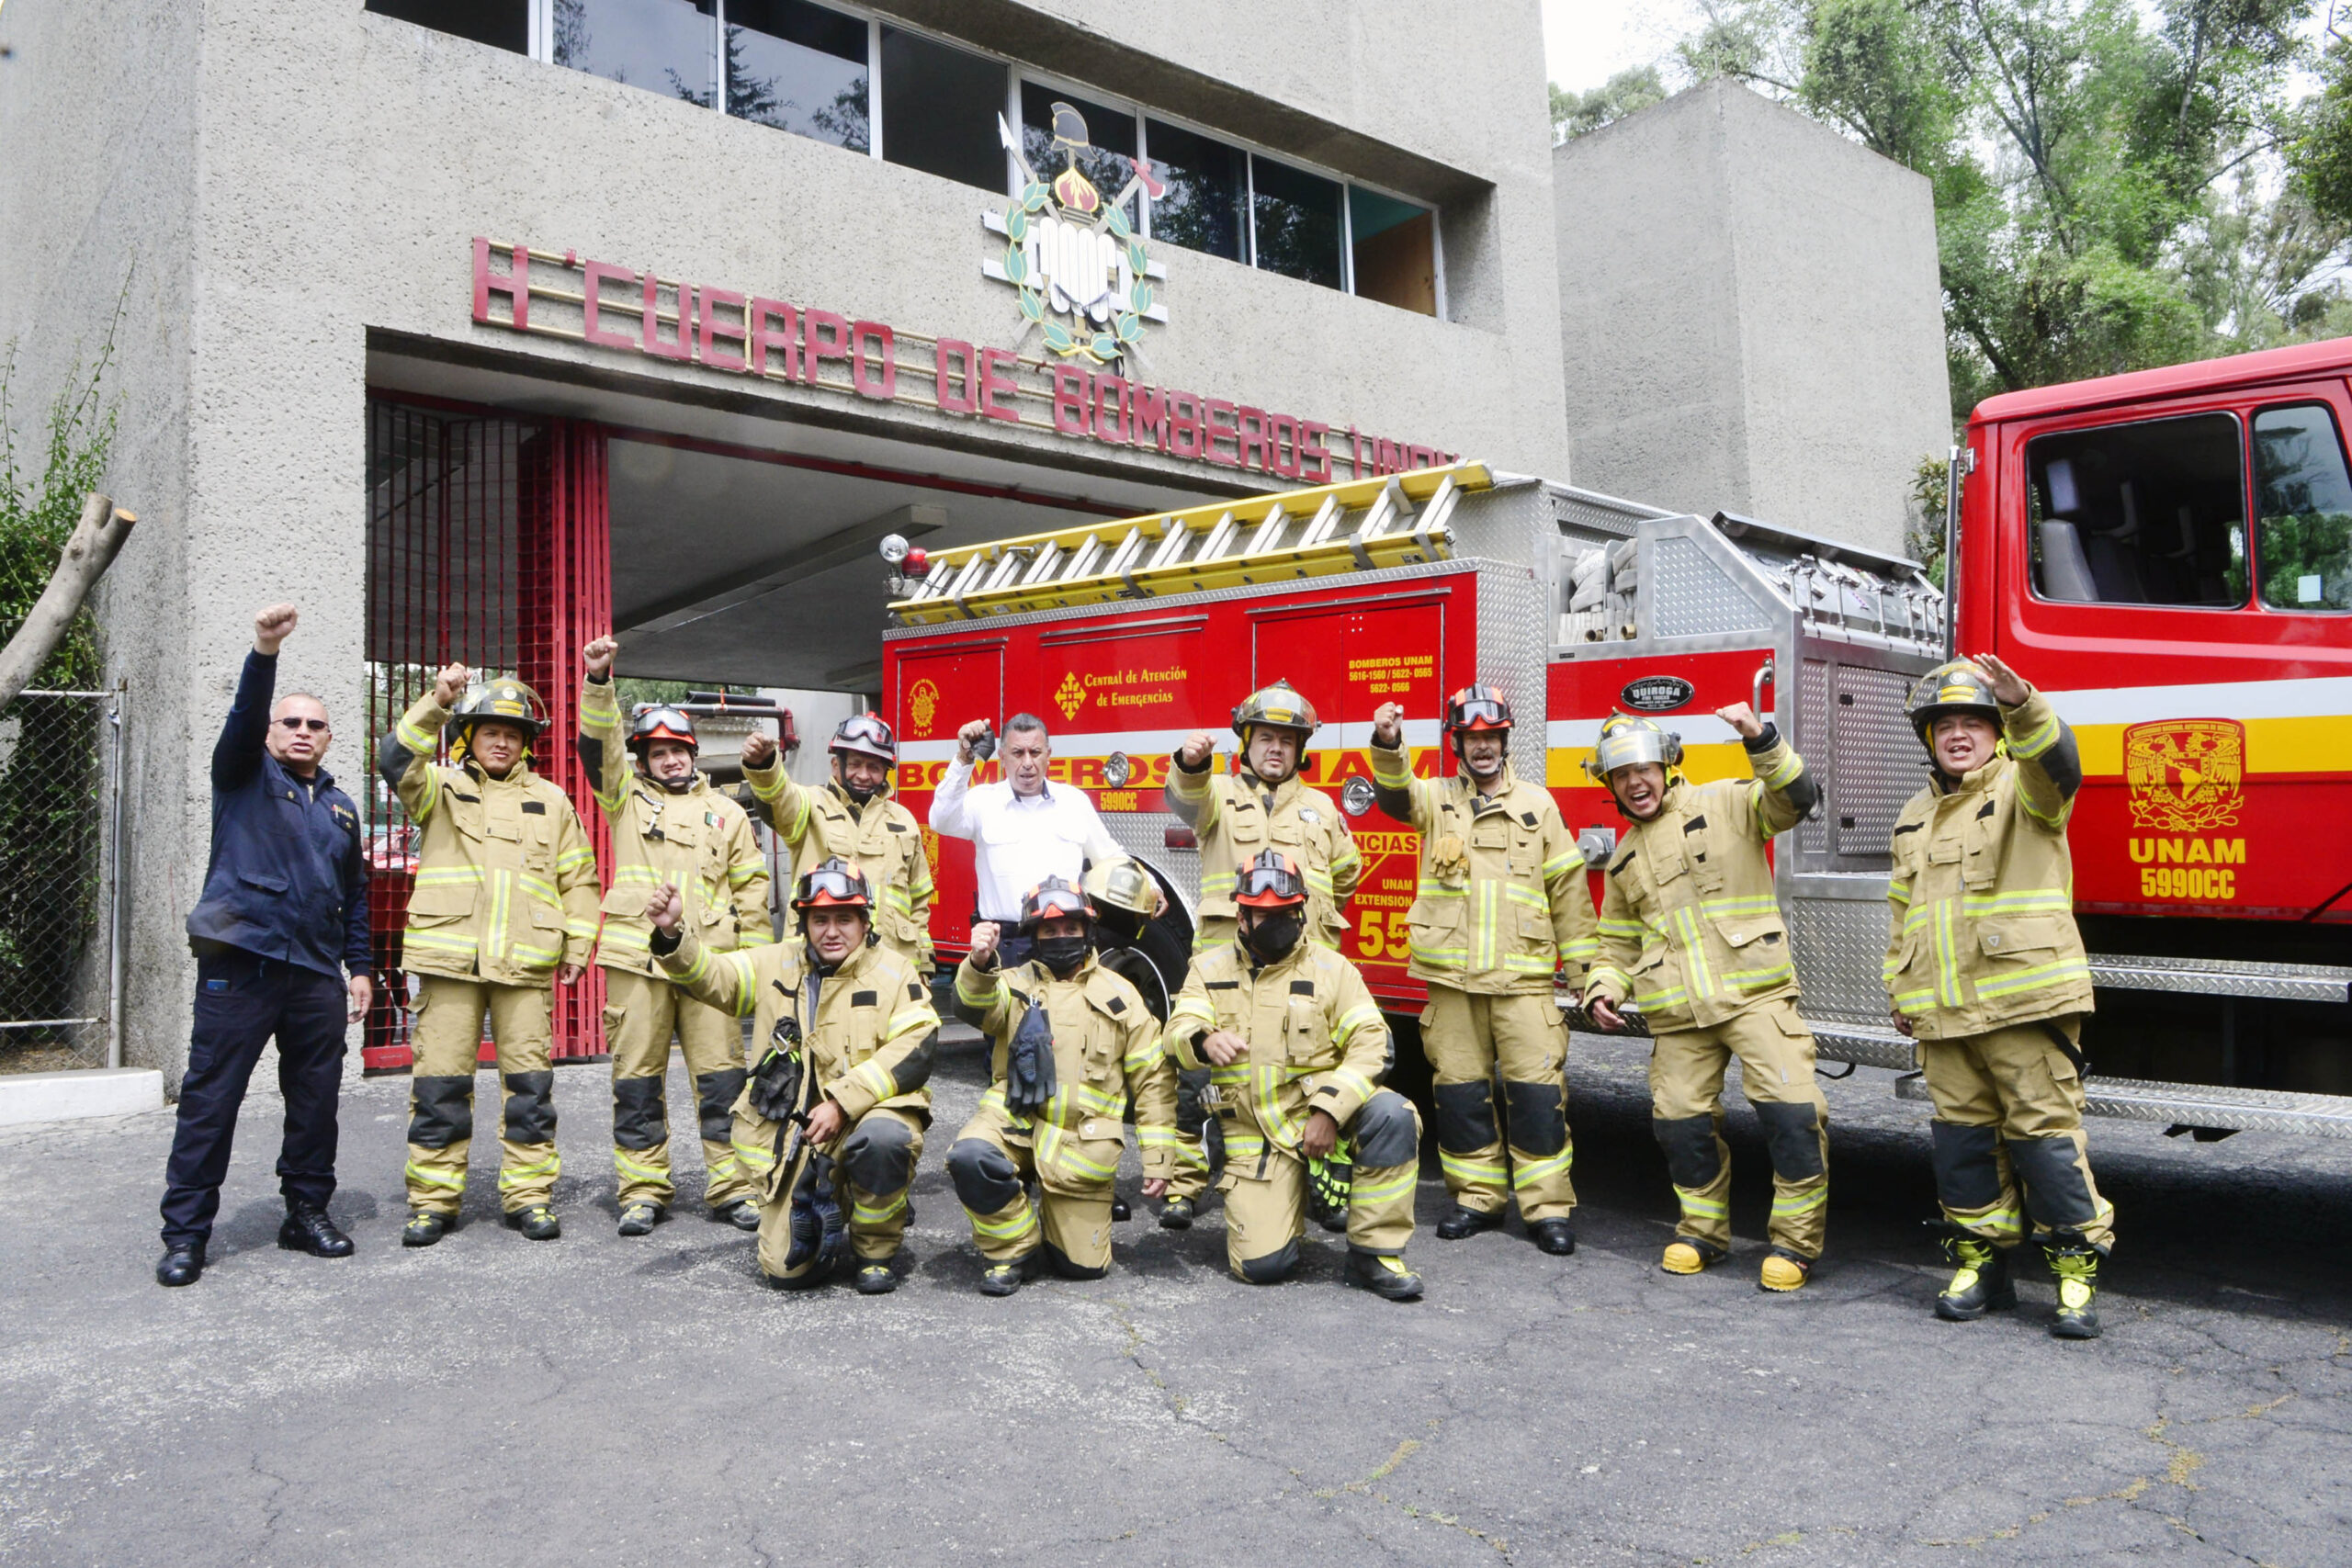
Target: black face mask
[(677, 786), (1272, 938), (1062, 953)]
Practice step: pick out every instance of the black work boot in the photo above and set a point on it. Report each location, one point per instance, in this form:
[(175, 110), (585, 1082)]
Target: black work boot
[(424, 1228), (182, 1264), (2075, 1262), (742, 1213), (1979, 1279), (1555, 1236), (1383, 1276), (876, 1278), (308, 1229), (639, 1219), (537, 1221), (1176, 1214), (1460, 1222), (1003, 1278)]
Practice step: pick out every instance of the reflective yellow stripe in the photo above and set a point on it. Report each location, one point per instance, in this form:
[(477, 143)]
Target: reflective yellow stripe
[(1355, 1018), (1750, 979), (1800, 1203), (1010, 1227), (1530, 1172), (2035, 899), (529, 1175), (2038, 977), (1700, 1208), (1145, 1058), (627, 1167), (432, 1177), (1566, 860), (1352, 1081), (1466, 1169), (760, 1157), (439, 941), (868, 1214), (1694, 953), (1386, 1191), (2041, 740), (413, 741), (1155, 1137), (450, 876)]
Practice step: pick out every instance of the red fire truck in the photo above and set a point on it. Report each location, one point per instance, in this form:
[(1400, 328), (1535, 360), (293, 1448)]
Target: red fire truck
[(2168, 554)]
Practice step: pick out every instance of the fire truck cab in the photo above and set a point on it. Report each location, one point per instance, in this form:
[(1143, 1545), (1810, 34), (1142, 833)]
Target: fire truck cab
[(2106, 551)]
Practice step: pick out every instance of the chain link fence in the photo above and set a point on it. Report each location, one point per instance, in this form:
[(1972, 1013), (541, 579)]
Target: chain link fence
[(60, 816)]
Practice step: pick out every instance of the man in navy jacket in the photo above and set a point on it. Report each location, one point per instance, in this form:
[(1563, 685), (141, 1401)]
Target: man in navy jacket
[(284, 914)]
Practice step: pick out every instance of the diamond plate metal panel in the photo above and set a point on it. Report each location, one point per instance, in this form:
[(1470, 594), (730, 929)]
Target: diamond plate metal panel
[(1869, 1047), (1513, 645), (1876, 764), (1691, 596), (1810, 727), (2200, 1105), (1143, 834), (2224, 977), (1840, 946)]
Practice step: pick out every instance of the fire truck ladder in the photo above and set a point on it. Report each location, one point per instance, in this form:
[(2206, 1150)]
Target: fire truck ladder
[(1397, 520)]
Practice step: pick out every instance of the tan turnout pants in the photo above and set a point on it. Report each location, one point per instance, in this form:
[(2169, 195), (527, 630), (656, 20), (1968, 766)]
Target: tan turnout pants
[(991, 1167), (1467, 1036), (445, 1045), (1776, 1056), (641, 1015), (1265, 1193), (881, 1146), (2009, 1113)]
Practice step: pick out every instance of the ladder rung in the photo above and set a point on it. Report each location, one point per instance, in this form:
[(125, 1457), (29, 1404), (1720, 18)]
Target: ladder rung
[(1041, 569), (1327, 518), (1170, 546), (1082, 559), (1003, 576), (1269, 531), (1219, 537), (1125, 556)]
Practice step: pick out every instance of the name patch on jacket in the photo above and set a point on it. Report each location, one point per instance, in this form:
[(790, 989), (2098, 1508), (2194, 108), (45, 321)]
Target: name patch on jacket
[(865, 999), (536, 808), (1302, 987)]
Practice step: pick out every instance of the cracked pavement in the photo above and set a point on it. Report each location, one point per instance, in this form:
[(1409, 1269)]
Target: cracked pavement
[(608, 1400)]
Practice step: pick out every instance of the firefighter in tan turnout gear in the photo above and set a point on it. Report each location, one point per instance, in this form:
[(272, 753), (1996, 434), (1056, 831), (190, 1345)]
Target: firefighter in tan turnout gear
[(1692, 933), (1072, 1042), (854, 818), (1987, 972), (1501, 903), (1295, 1046), (1261, 804), (668, 826), (862, 1016), (505, 899)]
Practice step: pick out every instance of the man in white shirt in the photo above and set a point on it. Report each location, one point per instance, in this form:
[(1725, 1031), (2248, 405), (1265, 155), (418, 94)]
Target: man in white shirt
[(1024, 827)]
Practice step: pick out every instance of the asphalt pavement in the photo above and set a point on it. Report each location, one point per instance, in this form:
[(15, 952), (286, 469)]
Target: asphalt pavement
[(602, 1400)]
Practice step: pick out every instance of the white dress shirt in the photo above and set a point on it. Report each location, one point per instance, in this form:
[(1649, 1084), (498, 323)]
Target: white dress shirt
[(1019, 840)]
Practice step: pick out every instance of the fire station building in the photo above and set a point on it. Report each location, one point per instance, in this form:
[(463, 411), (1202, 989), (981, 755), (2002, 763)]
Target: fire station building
[(477, 327)]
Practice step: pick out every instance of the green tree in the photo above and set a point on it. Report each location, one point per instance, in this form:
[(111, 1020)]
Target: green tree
[(1574, 114)]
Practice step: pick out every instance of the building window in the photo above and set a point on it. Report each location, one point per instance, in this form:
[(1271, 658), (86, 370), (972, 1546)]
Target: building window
[(800, 68), (501, 24), (664, 46), (1203, 206), (2302, 542), (1393, 246), (940, 107), (1297, 223), (2144, 513), (1106, 159)]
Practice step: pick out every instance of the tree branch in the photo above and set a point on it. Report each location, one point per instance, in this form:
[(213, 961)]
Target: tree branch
[(96, 540)]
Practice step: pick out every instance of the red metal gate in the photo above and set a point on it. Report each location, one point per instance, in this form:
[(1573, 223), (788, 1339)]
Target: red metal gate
[(489, 544)]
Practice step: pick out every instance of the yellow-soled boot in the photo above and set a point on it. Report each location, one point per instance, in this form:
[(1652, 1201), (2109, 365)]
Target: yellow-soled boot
[(1686, 1255), (1785, 1272)]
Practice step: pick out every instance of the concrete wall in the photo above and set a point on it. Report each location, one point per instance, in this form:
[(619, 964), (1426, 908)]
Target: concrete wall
[(98, 205), (1751, 316), (301, 176)]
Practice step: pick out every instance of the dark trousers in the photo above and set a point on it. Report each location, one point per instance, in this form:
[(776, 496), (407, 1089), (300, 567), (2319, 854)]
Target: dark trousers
[(241, 1001)]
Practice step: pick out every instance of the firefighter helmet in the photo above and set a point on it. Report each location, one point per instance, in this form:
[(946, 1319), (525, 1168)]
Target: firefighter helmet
[(866, 735), (1270, 881), (1277, 706), (659, 721), (1477, 706), (834, 884), (1053, 896), (1954, 688), (1121, 885), (1627, 740), (505, 700)]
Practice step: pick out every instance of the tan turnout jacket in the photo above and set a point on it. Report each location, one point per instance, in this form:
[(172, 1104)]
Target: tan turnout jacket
[(1234, 817), (882, 839)]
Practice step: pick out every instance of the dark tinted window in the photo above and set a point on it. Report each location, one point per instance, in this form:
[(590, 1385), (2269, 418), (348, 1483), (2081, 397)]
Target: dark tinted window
[(2302, 544), (2147, 514), (504, 24), (940, 107), (664, 46), (800, 68), (1298, 222), (1203, 207), (1107, 158)]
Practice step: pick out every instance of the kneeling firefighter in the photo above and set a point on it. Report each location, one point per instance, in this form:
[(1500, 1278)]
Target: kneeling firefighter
[(1691, 932), (1072, 1042), (1296, 1046), (1152, 959), (849, 1025), (1987, 970)]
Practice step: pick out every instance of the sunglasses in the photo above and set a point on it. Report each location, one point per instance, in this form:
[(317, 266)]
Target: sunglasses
[(315, 726)]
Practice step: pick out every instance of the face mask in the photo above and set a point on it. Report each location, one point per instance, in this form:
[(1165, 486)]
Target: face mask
[(1271, 940), (677, 786), (1062, 953)]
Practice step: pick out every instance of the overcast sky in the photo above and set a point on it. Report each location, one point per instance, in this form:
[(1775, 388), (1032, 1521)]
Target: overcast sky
[(1587, 41)]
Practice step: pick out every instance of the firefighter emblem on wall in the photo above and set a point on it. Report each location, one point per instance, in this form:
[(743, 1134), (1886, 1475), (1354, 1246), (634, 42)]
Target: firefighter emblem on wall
[(1070, 697), (1086, 281), (923, 706), (2186, 774)]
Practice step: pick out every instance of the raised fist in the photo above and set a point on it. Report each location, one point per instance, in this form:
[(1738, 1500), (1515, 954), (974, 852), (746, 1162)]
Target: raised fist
[(1197, 746), (984, 940), (1388, 724), (759, 749), (598, 657), (664, 908), (450, 685), (1742, 717), (274, 626)]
